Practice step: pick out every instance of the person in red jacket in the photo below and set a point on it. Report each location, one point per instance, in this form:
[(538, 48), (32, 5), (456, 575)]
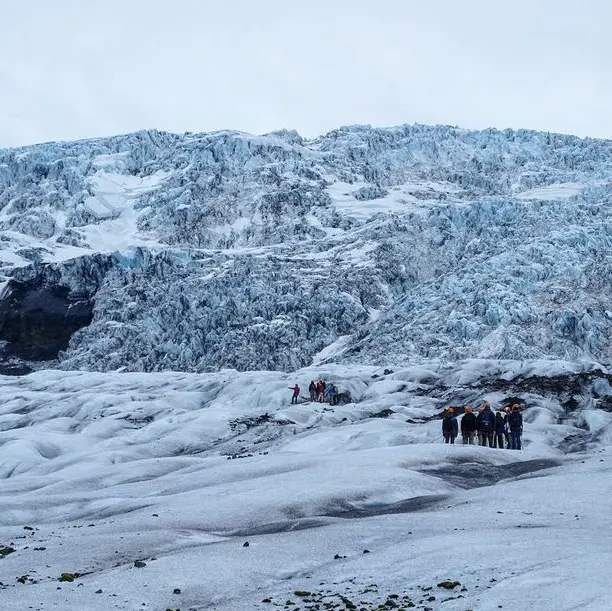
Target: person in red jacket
[(296, 393)]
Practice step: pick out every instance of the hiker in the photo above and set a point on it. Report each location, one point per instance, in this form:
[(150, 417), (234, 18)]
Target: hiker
[(329, 393), (478, 433), (515, 424), (320, 390), (486, 425), (312, 389), (449, 426), (506, 428), (468, 426), (296, 394), (500, 429)]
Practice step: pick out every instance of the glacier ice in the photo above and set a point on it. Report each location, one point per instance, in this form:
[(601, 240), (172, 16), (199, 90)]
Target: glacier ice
[(257, 252)]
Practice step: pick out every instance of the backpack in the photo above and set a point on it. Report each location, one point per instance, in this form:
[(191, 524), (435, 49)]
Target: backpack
[(448, 426), (515, 420), (487, 421)]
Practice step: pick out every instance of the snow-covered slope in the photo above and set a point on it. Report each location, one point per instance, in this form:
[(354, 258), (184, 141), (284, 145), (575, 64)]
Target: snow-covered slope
[(204, 251), (234, 500)]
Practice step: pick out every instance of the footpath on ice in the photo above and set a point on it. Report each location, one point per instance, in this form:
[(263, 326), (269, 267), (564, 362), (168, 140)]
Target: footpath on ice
[(192, 492)]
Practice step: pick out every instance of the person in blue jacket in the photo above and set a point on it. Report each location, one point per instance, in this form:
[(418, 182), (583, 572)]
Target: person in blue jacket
[(515, 424), (330, 390), (486, 425), (450, 428)]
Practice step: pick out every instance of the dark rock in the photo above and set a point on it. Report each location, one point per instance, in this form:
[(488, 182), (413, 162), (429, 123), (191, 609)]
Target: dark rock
[(449, 585), (348, 603), (366, 551), (344, 398), (387, 372), (245, 544), (41, 307), (98, 592), (38, 319), (5, 550), (69, 577), (14, 367), (302, 593), (139, 564), (385, 413), (176, 591), (605, 403)]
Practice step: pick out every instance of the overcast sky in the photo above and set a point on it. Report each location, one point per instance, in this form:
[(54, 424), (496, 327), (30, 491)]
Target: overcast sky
[(80, 68)]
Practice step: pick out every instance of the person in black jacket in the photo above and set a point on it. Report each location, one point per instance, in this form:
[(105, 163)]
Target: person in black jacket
[(500, 429), (468, 426), (486, 425), (450, 429), (312, 389), (515, 424)]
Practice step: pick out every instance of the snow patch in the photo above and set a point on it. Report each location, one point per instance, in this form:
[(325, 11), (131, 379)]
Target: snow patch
[(552, 192), (114, 193)]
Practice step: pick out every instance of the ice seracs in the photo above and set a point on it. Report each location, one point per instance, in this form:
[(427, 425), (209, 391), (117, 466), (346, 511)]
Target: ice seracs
[(259, 252)]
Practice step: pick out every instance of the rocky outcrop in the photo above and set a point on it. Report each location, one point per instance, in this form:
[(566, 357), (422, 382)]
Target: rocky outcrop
[(42, 306), (37, 319)]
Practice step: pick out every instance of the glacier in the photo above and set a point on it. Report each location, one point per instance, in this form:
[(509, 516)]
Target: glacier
[(228, 250), (161, 293)]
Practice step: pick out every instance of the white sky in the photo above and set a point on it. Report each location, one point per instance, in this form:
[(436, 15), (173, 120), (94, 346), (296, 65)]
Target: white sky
[(80, 68)]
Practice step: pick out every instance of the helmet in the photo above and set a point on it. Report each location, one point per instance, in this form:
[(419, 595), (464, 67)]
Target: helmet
[(468, 409), (516, 407), (450, 410)]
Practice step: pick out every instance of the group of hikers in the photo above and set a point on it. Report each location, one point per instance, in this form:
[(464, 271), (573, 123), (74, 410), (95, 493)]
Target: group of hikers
[(491, 429), (319, 391), (499, 429)]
